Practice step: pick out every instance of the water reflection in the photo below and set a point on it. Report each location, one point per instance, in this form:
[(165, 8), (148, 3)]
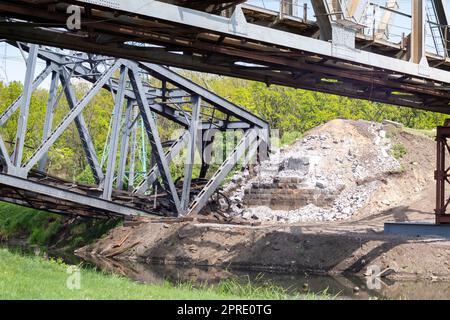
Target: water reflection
[(343, 286)]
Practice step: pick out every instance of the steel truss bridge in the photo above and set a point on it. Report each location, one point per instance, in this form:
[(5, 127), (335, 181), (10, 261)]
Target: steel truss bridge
[(344, 47), (200, 113)]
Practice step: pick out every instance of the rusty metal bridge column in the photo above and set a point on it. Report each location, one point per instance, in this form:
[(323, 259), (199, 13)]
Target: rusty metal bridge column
[(442, 174)]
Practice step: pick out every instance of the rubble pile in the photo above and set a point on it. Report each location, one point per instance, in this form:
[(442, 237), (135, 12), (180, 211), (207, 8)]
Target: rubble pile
[(327, 176)]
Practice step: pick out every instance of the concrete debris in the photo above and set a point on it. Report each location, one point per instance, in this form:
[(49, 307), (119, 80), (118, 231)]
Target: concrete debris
[(328, 175), (392, 123)]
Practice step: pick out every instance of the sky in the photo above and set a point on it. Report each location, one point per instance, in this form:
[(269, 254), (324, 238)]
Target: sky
[(12, 67)]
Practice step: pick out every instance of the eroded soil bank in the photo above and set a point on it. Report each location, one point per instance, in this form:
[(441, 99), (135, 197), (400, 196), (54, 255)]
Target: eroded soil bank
[(315, 249), (334, 242)]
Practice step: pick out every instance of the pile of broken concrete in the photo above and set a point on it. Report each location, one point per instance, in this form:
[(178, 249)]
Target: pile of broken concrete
[(329, 175)]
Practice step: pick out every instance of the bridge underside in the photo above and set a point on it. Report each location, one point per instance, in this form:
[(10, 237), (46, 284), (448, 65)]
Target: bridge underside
[(330, 55), (134, 175)]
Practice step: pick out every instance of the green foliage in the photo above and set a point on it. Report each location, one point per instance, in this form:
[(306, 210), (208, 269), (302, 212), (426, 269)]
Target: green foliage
[(15, 220), (43, 228), (398, 151), (86, 176), (294, 110), (236, 287), (62, 160)]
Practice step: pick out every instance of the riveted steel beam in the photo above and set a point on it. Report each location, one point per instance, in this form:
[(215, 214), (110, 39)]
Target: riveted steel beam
[(155, 142), (51, 104), (114, 141), (25, 106), (70, 117), (83, 132), (190, 158)]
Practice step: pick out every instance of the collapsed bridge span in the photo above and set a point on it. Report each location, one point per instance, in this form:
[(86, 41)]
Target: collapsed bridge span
[(142, 92)]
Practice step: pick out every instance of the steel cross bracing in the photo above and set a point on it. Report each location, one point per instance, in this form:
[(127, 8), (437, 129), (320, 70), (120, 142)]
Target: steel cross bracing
[(331, 54), (199, 112)]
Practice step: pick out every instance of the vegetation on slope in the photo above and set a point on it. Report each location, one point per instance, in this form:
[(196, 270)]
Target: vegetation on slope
[(398, 151), (46, 229)]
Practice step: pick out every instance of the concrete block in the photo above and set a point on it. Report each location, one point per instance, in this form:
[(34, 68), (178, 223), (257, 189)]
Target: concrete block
[(417, 229)]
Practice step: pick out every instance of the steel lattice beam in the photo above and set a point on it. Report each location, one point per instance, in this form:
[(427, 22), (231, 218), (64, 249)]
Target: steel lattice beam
[(46, 191)]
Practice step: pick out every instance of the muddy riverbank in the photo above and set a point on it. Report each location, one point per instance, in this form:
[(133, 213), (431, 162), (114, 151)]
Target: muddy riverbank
[(332, 249)]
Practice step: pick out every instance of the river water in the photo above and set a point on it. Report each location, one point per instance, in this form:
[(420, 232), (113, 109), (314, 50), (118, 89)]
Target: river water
[(344, 287)]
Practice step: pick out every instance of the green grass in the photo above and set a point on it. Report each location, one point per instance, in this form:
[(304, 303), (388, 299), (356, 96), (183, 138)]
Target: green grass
[(46, 229), (30, 277)]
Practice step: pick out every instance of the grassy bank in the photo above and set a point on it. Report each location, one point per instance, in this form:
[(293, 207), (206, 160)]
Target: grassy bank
[(25, 277), (46, 229)]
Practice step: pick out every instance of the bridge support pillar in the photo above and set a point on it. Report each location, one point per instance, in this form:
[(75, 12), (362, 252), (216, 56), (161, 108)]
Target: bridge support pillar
[(442, 175)]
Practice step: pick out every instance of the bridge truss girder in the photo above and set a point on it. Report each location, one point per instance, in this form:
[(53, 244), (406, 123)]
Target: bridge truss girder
[(198, 111), (172, 33)]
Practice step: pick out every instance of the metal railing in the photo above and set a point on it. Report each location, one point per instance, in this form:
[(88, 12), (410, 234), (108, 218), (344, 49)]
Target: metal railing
[(293, 8)]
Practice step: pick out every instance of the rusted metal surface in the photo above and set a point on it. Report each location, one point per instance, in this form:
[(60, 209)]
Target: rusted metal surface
[(442, 174)]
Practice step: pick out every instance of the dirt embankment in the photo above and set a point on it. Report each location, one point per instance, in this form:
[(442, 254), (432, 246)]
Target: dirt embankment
[(335, 171), (315, 249), (344, 245)]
